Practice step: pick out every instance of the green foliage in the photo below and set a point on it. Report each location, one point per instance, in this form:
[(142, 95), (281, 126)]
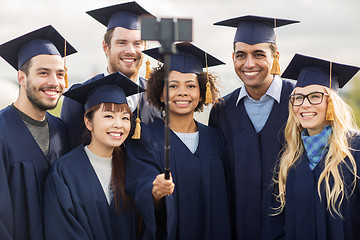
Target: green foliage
[(56, 111), (352, 96)]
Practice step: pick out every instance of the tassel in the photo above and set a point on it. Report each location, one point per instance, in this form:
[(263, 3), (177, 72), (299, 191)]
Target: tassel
[(148, 69), (330, 110), (66, 78), (208, 95), (275, 70), (137, 131)]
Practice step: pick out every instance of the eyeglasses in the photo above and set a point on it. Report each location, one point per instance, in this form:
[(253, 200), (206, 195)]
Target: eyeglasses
[(314, 98)]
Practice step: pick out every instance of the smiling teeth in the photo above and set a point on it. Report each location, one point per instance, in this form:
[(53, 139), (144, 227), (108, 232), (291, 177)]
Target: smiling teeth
[(182, 102), (128, 60), (250, 73), (52, 93), (308, 114), (115, 134)]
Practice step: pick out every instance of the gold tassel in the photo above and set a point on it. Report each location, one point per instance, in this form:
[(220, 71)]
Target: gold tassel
[(330, 110), (66, 78), (148, 69), (137, 131), (275, 70), (208, 96), (330, 106)]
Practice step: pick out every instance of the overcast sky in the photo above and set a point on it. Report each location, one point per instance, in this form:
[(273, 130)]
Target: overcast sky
[(329, 29)]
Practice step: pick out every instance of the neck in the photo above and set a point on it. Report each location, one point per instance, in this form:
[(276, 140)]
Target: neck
[(134, 77), (29, 109), (258, 91), (101, 151), (183, 123)]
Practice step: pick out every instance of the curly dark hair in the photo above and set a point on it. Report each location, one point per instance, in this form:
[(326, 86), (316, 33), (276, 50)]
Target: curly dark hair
[(155, 87)]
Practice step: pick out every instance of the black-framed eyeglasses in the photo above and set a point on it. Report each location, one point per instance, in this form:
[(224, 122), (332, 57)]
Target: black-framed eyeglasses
[(314, 98)]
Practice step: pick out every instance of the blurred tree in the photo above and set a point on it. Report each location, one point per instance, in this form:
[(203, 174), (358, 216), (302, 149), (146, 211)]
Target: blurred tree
[(351, 95), (56, 111)]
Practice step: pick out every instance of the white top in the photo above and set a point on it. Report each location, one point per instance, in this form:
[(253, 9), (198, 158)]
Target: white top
[(191, 140), (102, 167)]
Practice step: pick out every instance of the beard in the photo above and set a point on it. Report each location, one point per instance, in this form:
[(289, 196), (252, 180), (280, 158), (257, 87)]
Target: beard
[(31, 93)]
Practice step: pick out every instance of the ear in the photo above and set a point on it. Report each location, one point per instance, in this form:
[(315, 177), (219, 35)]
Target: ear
[(21, 78), (105, 48), (88, 124), (162, 98), (233, 56)]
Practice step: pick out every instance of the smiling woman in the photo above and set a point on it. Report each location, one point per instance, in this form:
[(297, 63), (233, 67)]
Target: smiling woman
[(316, 186), (193, 203), (73, 210)]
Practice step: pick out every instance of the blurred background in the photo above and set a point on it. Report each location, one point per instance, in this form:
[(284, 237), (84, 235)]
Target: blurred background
[(329, 29)]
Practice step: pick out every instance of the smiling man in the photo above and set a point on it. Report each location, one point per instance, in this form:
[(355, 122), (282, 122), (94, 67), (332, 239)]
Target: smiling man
[(123, 47), (30, 138), (251, 118)]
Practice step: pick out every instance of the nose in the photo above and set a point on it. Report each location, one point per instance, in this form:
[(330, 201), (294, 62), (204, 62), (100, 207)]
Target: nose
[(306, 103), (53, 80), (182, 91), (249, 62), (130, 49)]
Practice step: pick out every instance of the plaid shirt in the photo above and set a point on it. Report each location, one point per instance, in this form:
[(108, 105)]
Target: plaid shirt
[(316, 146)]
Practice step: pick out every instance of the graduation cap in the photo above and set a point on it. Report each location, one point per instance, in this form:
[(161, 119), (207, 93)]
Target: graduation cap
[(188, 59), (113, 88), (309, 71), (255, 29), (124, 15), (45, 40)]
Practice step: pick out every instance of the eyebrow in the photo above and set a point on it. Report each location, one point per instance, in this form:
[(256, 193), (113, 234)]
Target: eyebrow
[(255, 51)]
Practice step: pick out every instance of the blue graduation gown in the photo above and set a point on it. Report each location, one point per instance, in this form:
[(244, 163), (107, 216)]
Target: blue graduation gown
[(76, 206), (23, 169), (198, 208), (251, 157), (305, 216), (72, 113)]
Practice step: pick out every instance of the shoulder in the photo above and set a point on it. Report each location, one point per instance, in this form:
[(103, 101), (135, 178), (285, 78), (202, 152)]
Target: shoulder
[(288, 85), (228, 100), (70, 159)]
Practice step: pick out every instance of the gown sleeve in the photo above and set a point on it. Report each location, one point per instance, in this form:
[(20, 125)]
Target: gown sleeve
[(6, 216), (142, 168), (59, 210)]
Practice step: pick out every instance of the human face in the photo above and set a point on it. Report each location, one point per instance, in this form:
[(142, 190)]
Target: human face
[(45, 82), (109, 129), (124, 55), (311, 117), (184, 93), (253, 64)]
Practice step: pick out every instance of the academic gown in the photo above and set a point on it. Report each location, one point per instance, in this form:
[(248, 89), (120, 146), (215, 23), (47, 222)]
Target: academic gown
[(72, 113), (76, 206), (251, 157), (23, 169), (198, 208), (305, 216)]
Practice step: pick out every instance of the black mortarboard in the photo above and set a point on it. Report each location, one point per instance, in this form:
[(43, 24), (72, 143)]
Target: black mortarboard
[(45, 40), (254, 29), (113, 88), (124, 15), (309, 70), (189, 58)]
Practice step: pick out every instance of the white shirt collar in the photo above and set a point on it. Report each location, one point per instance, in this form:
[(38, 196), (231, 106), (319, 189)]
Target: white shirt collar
[(273, 91)]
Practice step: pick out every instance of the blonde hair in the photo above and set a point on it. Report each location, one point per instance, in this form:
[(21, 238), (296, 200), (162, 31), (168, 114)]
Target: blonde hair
[(344, 128)]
